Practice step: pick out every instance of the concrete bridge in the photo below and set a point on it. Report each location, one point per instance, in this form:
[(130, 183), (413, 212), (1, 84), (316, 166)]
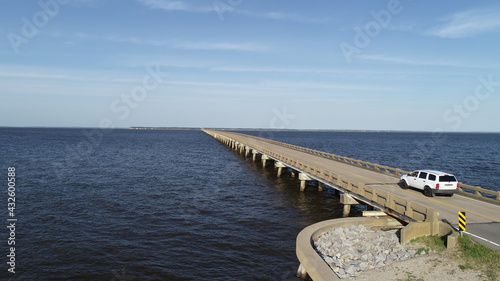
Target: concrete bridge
[(375, 185)]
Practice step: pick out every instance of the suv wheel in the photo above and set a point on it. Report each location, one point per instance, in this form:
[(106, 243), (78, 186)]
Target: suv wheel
[(428, 192), (403, 184)]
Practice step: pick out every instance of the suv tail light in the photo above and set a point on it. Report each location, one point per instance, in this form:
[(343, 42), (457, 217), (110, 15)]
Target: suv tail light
[(458, 185), (437, 185)]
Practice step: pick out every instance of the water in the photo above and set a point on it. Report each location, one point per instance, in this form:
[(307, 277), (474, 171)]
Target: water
[(178, 205)]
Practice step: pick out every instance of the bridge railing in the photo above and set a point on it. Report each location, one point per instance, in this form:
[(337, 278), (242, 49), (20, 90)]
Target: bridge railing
[(465, 189), (391, 203), (479, 192), (356, 162)]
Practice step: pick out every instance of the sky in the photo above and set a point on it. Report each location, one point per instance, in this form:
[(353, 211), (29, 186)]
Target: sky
[(327, 64)]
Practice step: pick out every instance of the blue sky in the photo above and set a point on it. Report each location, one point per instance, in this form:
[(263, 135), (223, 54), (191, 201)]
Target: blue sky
[(361, 65)]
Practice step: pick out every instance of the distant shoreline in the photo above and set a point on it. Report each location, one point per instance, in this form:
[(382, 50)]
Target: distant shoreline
[(274, 130), (249, 129), (302, 130)]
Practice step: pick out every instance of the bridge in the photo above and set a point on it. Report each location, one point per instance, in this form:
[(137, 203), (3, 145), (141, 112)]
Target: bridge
[(361, 182)]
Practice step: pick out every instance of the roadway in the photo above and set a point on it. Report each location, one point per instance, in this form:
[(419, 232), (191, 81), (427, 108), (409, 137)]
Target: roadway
[(483, 219)]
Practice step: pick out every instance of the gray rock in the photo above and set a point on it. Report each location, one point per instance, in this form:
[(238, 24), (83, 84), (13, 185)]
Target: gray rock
[(357, 248), (351, 270)]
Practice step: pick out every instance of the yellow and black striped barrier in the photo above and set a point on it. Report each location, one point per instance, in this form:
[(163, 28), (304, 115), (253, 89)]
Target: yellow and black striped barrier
[(462, 221)]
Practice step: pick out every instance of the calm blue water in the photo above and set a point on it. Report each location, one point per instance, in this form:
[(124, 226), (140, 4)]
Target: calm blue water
[(178, 205)]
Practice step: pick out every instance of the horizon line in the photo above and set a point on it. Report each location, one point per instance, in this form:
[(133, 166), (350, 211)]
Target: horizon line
[(244, 129)]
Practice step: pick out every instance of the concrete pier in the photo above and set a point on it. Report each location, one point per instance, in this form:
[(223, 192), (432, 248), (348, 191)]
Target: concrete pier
[(280, 167), (254, 155), (264, 159), (303, 181), (348, 200)]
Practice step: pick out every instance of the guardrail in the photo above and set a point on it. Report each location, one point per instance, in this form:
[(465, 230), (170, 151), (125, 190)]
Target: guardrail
[(356, 162), (389, 202), (479, 192), (465, 189)]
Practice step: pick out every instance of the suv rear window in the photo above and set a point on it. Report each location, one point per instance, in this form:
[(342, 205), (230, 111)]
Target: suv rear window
[(432, 177), (447, 178)]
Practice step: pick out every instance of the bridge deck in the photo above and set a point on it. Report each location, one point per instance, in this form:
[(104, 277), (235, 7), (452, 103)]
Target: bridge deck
[(482, 217)]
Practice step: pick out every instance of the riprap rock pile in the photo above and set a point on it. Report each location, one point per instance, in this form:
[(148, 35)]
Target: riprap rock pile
[(354, 249)]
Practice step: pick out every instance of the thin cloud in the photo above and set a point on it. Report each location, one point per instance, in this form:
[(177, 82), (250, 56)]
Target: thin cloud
[(174, 6), (271, 70), (193, 45), (34, 75), (467, 24), (135, 40), (247, 47), (422, 62), (408, 61), (168, 5), (207, 84), (332, 72), (285, 17), (45, 74), (335, 101), (327, 86), (203, 45)]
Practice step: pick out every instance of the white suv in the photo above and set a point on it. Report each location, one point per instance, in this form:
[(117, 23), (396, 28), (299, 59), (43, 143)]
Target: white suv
[(431, 182)]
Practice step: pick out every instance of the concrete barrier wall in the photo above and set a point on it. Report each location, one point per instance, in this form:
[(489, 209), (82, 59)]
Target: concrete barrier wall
[(418, 229)]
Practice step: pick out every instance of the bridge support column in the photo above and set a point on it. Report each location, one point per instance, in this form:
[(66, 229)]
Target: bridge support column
[(247, 151), (264, 160), (254, 157), (303, 179), (302, 273), (347, 200), (320, 186), (280, 167)]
